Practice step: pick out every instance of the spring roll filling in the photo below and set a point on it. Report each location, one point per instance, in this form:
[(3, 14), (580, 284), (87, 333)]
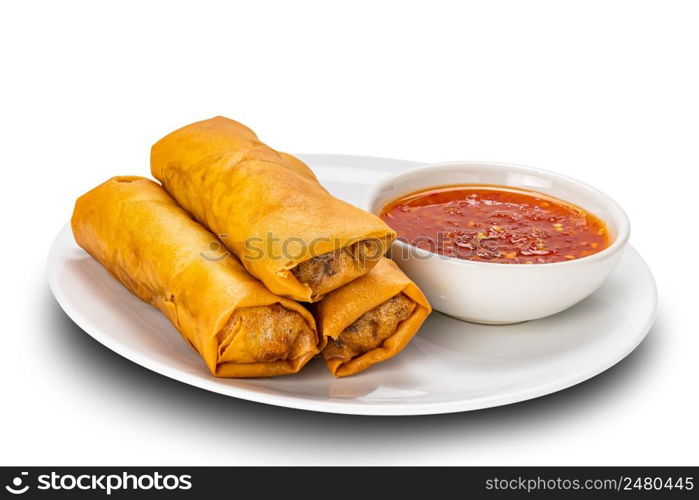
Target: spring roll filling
[(328, 271), (371, 329), (265, 334)]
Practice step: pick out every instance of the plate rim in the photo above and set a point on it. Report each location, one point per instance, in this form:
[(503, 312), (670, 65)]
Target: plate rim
[(342, 407)]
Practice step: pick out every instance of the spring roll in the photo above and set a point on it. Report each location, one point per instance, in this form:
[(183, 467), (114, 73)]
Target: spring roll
[(268, 209), (154, 248), (371, 319)]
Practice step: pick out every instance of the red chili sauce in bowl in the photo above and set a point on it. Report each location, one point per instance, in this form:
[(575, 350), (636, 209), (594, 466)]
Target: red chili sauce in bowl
[(496, 224)]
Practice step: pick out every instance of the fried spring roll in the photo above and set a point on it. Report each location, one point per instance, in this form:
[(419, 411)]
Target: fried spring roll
[(154, 248), (268, 208), (370, 319)]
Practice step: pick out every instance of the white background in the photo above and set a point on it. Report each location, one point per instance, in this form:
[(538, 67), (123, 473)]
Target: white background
[(606, 91)]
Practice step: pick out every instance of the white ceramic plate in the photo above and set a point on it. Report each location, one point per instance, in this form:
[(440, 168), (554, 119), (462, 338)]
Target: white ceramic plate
[(450, 366)]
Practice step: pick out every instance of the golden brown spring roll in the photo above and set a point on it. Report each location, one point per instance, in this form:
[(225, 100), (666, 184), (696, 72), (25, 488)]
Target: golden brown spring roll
[(268, 209), (155, 249), (371, 319)]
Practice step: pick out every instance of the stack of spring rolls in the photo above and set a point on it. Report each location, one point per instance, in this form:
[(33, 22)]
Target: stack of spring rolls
[(233, 238)]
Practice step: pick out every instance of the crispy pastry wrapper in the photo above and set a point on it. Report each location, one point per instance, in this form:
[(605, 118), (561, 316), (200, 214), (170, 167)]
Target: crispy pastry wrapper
[(268, 209), (343, 307), (154, 248)]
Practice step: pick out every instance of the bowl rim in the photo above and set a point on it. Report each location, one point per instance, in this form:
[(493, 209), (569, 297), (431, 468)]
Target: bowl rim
[(622, 237)]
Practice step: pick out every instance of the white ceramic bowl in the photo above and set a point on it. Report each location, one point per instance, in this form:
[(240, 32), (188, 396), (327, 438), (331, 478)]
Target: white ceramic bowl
[(486, 292)]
